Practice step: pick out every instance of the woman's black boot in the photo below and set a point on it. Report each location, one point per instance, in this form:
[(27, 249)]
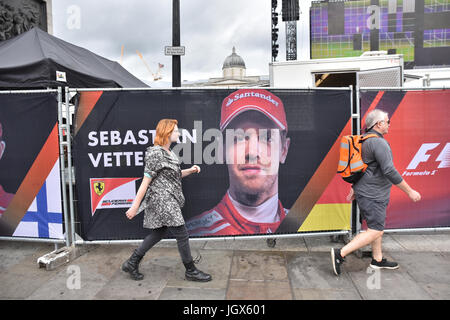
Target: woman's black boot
[(132, 266), (193, 274)]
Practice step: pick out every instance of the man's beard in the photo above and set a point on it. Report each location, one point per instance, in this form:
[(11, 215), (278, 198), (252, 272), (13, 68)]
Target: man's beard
[(251, 197)]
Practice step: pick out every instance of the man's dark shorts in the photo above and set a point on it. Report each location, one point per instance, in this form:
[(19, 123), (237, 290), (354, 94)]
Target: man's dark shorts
[(373, 211)]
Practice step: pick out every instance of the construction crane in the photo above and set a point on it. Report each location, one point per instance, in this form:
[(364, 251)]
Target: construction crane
[(121, 55), (156, 76)]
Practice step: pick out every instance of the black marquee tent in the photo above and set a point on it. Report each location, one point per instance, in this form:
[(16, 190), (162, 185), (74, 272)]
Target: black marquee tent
[(35, 58)]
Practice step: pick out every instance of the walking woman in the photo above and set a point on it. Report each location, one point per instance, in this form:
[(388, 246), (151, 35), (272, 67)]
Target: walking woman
[(162, 199)]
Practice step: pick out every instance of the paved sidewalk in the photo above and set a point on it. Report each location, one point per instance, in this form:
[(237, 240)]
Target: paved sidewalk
[(295, 269)]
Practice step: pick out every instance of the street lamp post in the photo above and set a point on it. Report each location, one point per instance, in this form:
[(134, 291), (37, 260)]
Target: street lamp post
[(176, 59)]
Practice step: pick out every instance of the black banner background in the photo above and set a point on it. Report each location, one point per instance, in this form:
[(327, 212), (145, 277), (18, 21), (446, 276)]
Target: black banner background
[(315, 120), (27, 121)]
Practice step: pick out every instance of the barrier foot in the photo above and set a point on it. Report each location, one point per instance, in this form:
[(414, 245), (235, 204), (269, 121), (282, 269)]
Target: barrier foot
[(60, 257), (340, 238), (271, 243)]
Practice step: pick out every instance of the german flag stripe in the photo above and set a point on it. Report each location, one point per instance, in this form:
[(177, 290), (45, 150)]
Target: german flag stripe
[(315, 187)]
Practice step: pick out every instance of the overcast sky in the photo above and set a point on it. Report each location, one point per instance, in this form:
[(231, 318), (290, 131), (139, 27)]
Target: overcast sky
[(209, 30)]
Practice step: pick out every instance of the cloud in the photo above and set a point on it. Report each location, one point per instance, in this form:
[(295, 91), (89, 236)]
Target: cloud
[(209, 30)]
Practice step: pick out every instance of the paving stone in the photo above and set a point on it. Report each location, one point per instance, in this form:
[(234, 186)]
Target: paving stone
[(122, 287), (321, 244), (426, 269), (438, 291), (387, 285), (194, 244), (94, 270), (418, 243), (258, 290), (314, 271), (22, 276), (215, 262), (440, 241), (61, 286), (282, 244), (258, 266), (390, 244), (237, 244), (325, 294), (427, 272), (290, 244), (296, 268), (174, 293), (13, 252)]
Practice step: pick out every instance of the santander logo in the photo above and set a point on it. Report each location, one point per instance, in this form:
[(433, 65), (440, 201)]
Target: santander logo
[(237, 97)]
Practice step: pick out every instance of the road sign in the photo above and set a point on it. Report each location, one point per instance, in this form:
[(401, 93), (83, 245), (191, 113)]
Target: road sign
[(174, 51)]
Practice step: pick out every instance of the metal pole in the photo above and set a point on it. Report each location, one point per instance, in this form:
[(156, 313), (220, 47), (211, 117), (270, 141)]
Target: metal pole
[(27, 91), (176, 59), (352, 115), (69, 167), (402, 88), (413, 230), (62, 160), (351, 130), (272, 9), (358, 131), (276, 236), (25, 239), (206, 88), (358, 112)]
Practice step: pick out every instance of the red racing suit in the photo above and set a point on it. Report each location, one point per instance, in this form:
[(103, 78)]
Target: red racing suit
[(224, 220)]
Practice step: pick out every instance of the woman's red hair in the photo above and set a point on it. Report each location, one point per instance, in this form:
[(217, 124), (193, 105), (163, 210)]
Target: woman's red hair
[(163, 131)]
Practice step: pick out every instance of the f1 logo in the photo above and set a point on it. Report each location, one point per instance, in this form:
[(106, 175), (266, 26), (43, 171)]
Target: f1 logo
[(422, 156)]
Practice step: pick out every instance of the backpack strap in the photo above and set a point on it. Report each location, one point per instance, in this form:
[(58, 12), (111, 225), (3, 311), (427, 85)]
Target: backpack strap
[(367, 136), (370, 135)]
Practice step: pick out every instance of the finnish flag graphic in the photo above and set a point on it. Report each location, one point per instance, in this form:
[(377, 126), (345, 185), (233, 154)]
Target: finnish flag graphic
[(44, 216)]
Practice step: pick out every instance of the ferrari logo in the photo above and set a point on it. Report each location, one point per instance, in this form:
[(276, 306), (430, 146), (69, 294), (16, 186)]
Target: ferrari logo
[(99, 187)]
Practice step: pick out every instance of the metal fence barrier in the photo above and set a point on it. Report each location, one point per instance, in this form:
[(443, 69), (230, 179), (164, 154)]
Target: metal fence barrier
[(66, 239), (71, 238), (79, 241), (358, 131)]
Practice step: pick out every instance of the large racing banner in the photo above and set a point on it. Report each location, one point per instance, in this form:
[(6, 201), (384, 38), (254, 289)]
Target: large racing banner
[(30, 187), (419, 136), (268, 159)]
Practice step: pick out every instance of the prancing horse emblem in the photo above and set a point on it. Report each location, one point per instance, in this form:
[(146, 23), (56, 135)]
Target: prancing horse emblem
[(99, 187)]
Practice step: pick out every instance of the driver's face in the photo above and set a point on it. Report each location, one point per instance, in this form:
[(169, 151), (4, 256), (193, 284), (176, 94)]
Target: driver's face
[(254, 155)]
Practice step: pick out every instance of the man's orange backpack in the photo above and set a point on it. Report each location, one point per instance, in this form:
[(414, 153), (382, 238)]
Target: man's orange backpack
[(351, 166)]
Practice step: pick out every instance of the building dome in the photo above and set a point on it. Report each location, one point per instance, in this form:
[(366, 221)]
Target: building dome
[(233, 61)]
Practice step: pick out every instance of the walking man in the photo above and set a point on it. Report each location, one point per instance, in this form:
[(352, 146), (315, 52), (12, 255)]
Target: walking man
[(372, 193)]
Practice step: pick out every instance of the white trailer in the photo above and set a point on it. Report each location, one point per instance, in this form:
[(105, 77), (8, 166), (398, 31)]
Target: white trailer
[(429, 77), (372, 69)]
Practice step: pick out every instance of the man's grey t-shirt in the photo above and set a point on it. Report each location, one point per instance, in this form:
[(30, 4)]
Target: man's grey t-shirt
[(380, 174)]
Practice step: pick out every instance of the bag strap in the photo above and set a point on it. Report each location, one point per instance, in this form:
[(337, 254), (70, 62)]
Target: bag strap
[(364, 138), (370, 135)]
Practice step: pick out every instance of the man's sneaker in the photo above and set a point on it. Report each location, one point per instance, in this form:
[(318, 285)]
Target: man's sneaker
[(336, 261), (383, 264)]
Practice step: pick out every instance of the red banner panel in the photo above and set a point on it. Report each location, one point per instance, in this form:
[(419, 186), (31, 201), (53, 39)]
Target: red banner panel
[(419, 136)]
